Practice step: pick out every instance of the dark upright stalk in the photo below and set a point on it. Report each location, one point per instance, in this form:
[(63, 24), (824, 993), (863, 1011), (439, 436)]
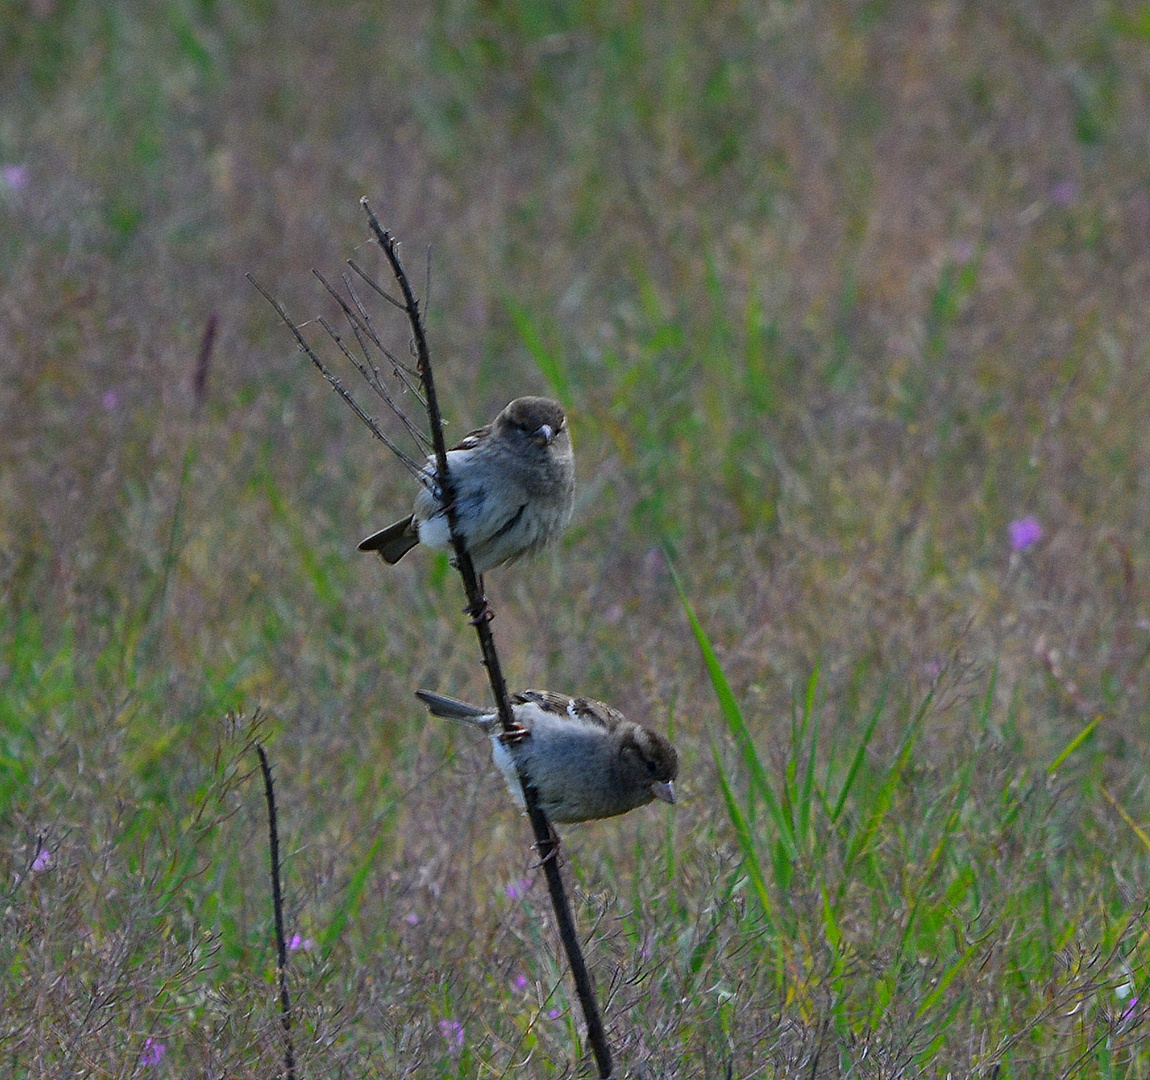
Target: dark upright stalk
[(278, 906), (477, 607)]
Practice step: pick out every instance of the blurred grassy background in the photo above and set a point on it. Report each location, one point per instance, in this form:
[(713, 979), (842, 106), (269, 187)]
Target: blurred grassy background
[(833, 293)]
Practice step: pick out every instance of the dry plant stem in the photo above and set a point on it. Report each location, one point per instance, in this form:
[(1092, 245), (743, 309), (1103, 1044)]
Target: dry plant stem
[(334, 382), (278, 906), (545, 837)]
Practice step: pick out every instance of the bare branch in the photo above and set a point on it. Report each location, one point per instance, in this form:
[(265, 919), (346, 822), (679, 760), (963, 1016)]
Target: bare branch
[(369, 421), (278, 908), (545, 838), (409, 378), (373, 377), (367, 339)]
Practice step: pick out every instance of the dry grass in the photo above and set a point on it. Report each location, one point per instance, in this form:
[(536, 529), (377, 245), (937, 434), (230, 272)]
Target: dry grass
[(834, 293)]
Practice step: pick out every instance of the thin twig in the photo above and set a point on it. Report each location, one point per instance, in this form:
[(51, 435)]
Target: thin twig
[(371, 376), (402, 372), (360, 322), (278, 906), (477, 606), (376, 286), (204, 362), (413, 466), (369, 421)]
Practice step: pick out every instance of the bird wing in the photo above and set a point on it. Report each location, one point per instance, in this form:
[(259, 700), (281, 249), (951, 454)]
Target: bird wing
[(580, 710), (472, 439)]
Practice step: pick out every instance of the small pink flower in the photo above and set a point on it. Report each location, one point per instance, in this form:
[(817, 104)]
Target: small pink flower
[(411, 919), (1064, 193), (153, 1052), (16, 176), (521, 982), (298, 942), (42, 862), (962, 251), (452, 1031), (518, 888), (1024, 533)]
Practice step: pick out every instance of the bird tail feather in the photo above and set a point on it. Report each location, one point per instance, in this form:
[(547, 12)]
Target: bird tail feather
[(450, 708), (393, 542)]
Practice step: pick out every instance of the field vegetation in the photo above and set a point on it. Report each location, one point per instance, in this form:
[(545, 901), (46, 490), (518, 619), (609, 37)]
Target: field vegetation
[(849, 304)]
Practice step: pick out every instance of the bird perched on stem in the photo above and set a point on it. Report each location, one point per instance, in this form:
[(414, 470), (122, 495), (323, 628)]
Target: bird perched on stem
[(514, 484), (584, 759)]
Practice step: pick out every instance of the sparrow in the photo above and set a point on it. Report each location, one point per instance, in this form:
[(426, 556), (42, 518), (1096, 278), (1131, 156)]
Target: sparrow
[(584, 759), (514, 486)]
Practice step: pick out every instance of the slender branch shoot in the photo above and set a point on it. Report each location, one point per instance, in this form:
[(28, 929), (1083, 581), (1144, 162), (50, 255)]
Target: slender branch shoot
[(333, 381), (420, 384), (278, 907), (545, 838)]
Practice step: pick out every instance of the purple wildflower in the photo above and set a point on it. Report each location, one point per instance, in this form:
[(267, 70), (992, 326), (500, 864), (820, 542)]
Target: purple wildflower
[(962, 251), (1024, 533), (452, 1031), (298, 942), (153, 1052), (1064, 193), (16, 176), (42, 862), (518, 888)]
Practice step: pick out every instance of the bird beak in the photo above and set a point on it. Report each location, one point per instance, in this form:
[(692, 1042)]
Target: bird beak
[(544, 434), (664, 790)]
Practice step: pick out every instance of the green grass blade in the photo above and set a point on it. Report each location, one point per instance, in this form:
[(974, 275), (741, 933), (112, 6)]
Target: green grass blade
[(746, 843), (733, 716), (884, 798), (325, 589), (926, 878), (548, 362), (941, 985), (1074, 744), (806, 793), (1140, 832), (859, 758), (349, 903)]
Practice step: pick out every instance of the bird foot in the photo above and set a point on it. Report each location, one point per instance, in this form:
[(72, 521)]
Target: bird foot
[(480, 614), (551, 844), (514, 734)]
